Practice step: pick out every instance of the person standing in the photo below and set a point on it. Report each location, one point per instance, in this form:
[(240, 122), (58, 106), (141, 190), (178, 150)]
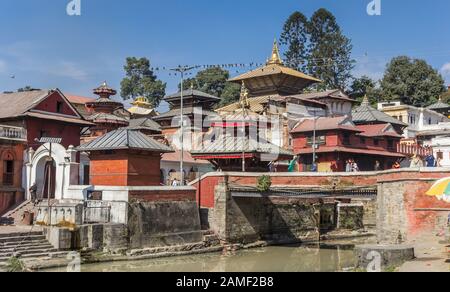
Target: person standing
[(416, 162), (355, 167), (377, 166), (430, 160), (348, 165)]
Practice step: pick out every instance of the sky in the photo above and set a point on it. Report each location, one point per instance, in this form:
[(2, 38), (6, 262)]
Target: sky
[(42, 46)]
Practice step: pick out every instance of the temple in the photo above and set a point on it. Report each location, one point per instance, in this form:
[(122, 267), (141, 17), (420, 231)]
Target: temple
[(142, 109), (107, 114), (240, 141), (274, 78)]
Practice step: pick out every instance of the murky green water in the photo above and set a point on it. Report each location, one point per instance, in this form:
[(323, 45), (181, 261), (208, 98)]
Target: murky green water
[(324, 258)]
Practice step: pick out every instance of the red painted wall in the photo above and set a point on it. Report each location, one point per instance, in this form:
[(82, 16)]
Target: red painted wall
[(11, 195), (50, 105), (125, 169), (69, 133)]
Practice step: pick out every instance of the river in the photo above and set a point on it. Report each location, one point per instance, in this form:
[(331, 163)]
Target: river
[(292, 258)]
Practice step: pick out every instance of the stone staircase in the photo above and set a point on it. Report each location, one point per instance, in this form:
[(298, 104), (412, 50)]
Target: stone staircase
[(26, 247), (15, 215)]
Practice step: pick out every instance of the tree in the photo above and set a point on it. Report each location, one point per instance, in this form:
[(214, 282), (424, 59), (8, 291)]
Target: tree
[(413, 81), (25, 89), (295, 37), (364, 86), (141, 81), (330, 51), (214, 81)]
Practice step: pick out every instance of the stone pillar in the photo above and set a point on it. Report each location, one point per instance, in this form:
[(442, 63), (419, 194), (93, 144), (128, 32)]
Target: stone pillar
[(26, 180)]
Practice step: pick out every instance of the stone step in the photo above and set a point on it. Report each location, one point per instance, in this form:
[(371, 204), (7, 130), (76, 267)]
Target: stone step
[(25, 248), (22, 234), (32, 256), (7, 240), (21, 253), (26, 243)]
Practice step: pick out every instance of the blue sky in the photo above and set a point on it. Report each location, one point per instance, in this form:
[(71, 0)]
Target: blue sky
[(45, 48)]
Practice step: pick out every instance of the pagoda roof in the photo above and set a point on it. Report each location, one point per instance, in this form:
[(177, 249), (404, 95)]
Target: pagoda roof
[(440, 105), (229, 144), (186, 111), (275, 76), (144, 124), (191, 93), (366, 114), (124, 139)]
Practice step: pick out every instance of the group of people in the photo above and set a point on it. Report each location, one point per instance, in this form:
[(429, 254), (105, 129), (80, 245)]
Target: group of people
[(351, 166), (428, 161)]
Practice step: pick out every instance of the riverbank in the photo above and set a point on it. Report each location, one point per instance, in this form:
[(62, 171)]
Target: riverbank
[(432, 255), (343, 238)]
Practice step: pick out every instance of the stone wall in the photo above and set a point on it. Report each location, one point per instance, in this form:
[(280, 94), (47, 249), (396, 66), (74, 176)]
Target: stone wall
[(350, 216), (405, 211), (158, 223), (246, 220)]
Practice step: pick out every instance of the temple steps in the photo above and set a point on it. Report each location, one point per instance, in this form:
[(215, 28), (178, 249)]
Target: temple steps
[(27, 247), (15, 215)]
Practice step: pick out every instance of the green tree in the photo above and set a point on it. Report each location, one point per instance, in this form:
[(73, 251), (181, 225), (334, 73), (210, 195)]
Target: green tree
[(413, 81), (364, 86), (214, 81), (141, 81), (329, 58), (295, 38)]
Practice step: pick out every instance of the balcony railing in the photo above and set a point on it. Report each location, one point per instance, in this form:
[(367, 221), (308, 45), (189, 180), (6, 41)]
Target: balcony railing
[(13, 133)]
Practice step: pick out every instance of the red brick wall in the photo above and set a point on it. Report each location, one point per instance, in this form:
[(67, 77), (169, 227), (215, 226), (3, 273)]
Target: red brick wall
[(109, 170), (125, 169)]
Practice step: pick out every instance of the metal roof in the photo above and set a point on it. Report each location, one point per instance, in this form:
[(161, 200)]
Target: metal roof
[(186, 111), (191, 93), (367, 114), (125, 139), (439, 105), (144, 124), (227, 144)]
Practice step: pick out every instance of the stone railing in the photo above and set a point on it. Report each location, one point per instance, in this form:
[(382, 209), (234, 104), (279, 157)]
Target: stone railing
[(13, 133)]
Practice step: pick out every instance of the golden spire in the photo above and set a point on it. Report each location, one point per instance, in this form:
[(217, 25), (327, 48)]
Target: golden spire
[(275, 59), (244, 97)]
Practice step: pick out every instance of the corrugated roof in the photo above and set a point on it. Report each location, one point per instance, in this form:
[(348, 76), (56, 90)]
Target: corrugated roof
[(187, 157), (125, 139), (144, 124), (228, 144)]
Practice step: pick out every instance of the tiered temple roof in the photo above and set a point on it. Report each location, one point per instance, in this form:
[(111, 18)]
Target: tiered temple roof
[(275, 78)]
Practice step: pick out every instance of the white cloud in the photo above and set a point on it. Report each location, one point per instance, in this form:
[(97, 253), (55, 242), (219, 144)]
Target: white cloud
[(71, 70), (371, 67), (445, 70)]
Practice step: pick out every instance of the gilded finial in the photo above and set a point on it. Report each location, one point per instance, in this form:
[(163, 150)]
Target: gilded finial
[(275, 59), (244, 97)]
